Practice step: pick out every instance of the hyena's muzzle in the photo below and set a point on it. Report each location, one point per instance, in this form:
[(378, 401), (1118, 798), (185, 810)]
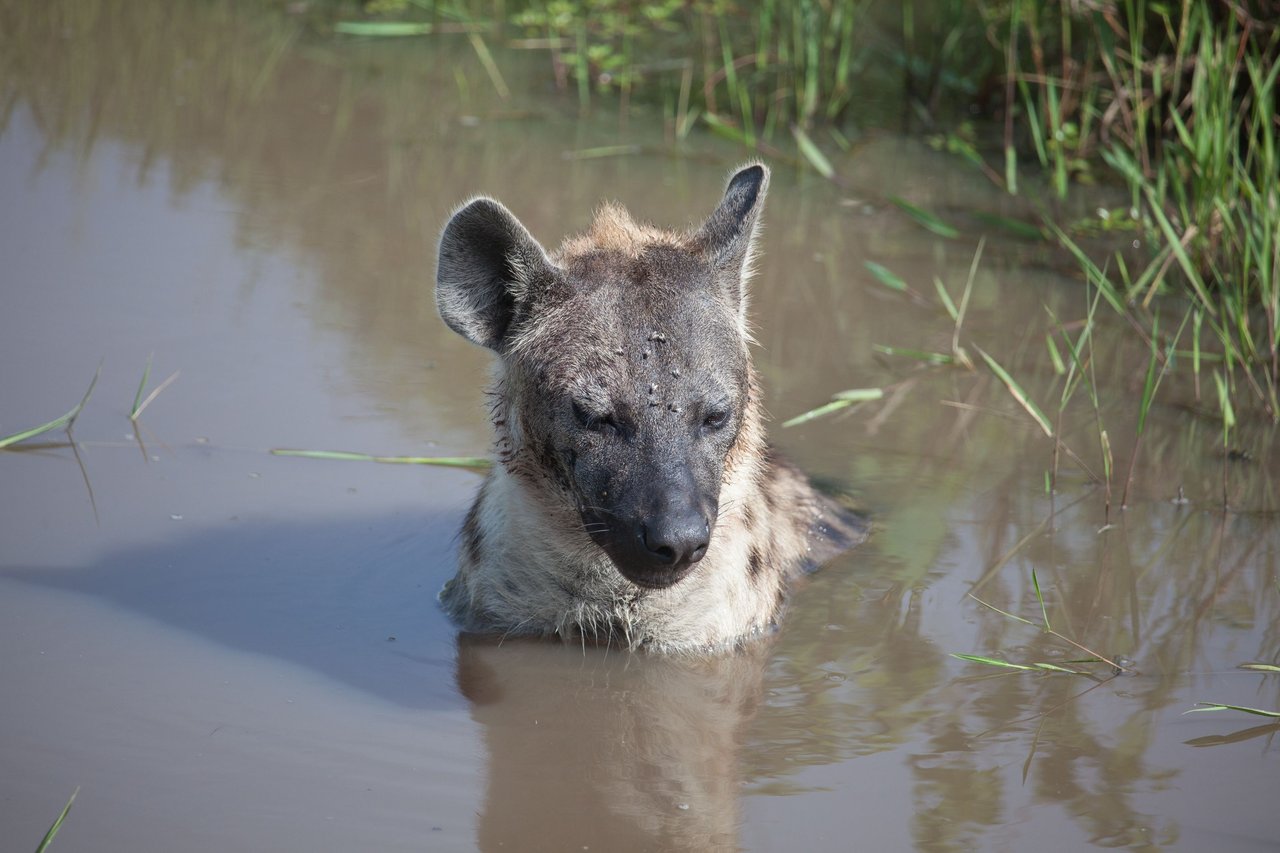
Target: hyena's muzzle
[(657, 530)]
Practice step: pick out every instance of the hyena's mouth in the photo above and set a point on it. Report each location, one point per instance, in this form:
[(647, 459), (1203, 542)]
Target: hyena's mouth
[(653, 553)]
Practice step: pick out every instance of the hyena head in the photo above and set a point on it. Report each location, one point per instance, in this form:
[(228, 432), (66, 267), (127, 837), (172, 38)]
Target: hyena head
[(625, 390)]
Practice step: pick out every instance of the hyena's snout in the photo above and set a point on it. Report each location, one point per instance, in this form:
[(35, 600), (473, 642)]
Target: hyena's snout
[(675, 539), (656, 538)]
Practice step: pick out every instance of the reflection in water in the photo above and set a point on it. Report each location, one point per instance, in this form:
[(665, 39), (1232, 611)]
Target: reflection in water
[(601, 750)]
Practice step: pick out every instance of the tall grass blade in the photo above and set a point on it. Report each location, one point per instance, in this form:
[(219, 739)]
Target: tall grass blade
[(1017, 391), (925, 219), (1035, 582), (150, 398), (812, 153), (490, 67), (945, 298), (142, 386), (57, 824), (886, 276)]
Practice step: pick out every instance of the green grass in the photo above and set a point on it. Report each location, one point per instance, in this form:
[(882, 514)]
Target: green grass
[(57, 824), (472, 463), (1047, 628), (63, 421)]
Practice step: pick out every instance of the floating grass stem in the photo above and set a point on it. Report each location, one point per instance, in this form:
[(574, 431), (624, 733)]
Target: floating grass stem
[(886, 276), (1048, 628), (472, 463), (1222, 706), (67, 420), (840, 400), (924, 218)]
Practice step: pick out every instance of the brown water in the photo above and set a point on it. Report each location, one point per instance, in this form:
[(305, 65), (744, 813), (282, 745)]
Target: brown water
[(229, 650)]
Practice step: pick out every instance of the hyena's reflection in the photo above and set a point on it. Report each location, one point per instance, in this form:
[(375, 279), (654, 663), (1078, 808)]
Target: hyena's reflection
[(606, 751)]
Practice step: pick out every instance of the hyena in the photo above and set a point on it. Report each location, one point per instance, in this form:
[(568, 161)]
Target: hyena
[(635, 499)]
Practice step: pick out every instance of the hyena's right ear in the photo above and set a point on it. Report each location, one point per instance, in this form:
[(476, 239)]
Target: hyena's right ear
[(487, 261), (728, 236)]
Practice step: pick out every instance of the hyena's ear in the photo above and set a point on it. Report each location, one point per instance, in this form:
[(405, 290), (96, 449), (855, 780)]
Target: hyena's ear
[(728, 235), (488, 261)]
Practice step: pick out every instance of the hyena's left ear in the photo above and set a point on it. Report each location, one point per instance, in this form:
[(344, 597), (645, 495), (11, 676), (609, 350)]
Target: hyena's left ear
[(488, 261), (728, 235)]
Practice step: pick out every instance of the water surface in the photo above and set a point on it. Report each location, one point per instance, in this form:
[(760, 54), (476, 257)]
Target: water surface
[(242, 651)]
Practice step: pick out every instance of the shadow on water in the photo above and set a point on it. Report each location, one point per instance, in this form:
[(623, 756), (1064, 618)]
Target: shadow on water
[(350, 599)]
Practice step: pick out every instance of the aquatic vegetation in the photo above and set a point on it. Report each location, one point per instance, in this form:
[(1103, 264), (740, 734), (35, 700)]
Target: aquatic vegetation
[(139, 402), (57, 824), (64, 421), (1175, 101), (1119, 665), (473, 463)]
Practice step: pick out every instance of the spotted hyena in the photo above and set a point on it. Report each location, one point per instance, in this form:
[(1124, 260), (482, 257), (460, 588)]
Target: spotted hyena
[(635, 499)]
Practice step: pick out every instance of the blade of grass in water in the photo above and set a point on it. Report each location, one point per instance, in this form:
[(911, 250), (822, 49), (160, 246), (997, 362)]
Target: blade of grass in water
[(840, 400), (1059, 366), (490, 67), (1221, 706), (57, 824), (142, 386), (945, 298), (1016, 390), (728, 131), (601, 151), (813, 414), (1035, 581), (139, 408), (1261, 667), (382, 28), (859, 395), (1013, 226), (812, 153), (925, 219), (474, 463), (886, 276), (919, 355), (991, 661), (65, 421)]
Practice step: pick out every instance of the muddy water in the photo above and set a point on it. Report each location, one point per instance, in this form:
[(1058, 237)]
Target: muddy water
[(225, 649)]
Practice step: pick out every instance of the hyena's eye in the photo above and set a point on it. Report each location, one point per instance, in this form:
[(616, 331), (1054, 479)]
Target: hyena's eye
[(715, 419), (596, 422)]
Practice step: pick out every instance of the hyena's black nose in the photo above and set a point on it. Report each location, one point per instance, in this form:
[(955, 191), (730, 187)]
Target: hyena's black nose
[(676, 541)]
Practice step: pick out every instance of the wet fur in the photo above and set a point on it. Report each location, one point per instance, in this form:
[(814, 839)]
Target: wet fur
[(528, 565)]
